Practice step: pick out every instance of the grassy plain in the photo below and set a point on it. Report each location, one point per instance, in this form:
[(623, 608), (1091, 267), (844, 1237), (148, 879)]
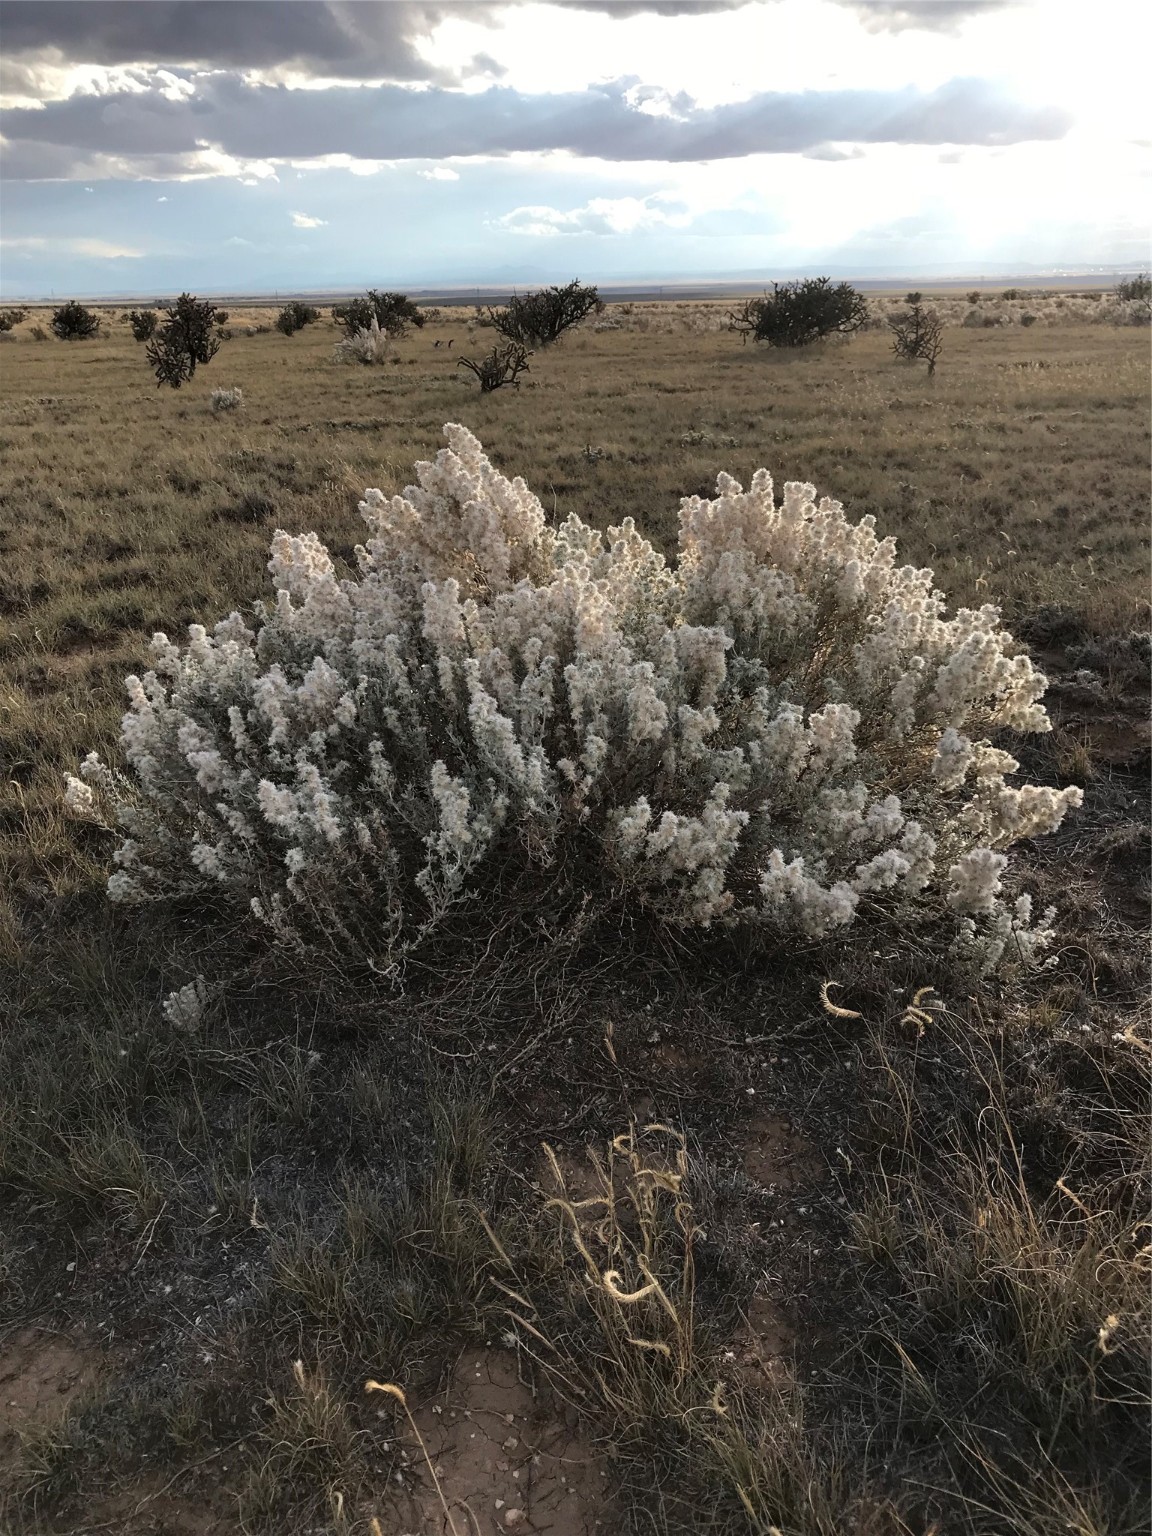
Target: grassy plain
[(901, 1261)]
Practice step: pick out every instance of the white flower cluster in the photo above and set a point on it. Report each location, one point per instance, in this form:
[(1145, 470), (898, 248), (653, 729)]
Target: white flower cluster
[(368, 346), (186, 1008), (782, 728), (226, 400)]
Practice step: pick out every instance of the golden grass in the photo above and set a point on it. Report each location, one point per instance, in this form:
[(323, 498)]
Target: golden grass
[(1019, 474)]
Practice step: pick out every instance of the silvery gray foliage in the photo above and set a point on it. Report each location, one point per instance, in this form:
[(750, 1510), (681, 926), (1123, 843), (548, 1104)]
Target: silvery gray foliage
[(784, 728), (368, 346)]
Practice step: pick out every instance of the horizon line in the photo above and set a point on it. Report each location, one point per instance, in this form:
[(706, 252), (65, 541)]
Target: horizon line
[(650, 287)]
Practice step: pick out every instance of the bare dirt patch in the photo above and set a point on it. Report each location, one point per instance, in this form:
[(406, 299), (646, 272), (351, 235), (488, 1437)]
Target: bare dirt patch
[(152, 1514), (40, 1374), (777, 1156), (761, 1351), (506, 1460)]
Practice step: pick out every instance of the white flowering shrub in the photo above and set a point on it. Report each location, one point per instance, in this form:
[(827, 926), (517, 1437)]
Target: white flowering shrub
[(226, 400), (371, 345), (187, 1007), (784, 728)]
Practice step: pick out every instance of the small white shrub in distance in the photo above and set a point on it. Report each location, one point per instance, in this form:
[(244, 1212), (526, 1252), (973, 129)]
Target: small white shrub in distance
[(364, 346), (783, 729), (226, 400), (186, 1008)]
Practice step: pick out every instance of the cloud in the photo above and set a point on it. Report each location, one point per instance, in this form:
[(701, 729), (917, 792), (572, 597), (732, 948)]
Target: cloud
[(337, 39), (306, 221), (599, 216), (344, 39), (833, 152), (242, 127), (80, 245), (920, 15), (624, 8), (440, 173)]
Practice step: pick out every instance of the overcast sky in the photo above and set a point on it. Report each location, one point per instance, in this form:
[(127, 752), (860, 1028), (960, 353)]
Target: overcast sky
[(252, 145)]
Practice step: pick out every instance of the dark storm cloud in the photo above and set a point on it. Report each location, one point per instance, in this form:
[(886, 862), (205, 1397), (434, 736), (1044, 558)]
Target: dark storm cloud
[(390, 122), (623, 8), (346, 39), (920, 15)]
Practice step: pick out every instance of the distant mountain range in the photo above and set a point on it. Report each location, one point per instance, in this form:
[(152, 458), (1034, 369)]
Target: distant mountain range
[(498, 283)]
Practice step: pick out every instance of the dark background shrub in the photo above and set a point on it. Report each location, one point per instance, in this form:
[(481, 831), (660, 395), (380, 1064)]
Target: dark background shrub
[(295, 316), (796, 314), (538, 319), (1137, 290), (917, 334), (186, 338), (143, 323), (72, 322), (503, 365), (393, 313)]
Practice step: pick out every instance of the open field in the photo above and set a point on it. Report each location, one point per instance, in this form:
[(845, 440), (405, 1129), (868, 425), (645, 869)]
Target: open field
[(901, 1262)]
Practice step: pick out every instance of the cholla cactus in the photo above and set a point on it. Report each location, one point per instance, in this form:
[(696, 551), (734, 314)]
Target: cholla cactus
[(226, 400), (783, 729), (363, 346)]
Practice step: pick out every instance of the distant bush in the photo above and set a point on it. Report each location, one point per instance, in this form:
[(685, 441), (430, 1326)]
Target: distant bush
[(369, 346), (918, 334), (295, 316), (1138, 287), (9, 318), (221, 316), (503, 365), (143, 323), (185, 339), (782, 731), (796, 314), (72, 322), (1028, 319), (539, 319), (1013, 293), (392, 312), (1135, 293), (974, 296), (226, 400)]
